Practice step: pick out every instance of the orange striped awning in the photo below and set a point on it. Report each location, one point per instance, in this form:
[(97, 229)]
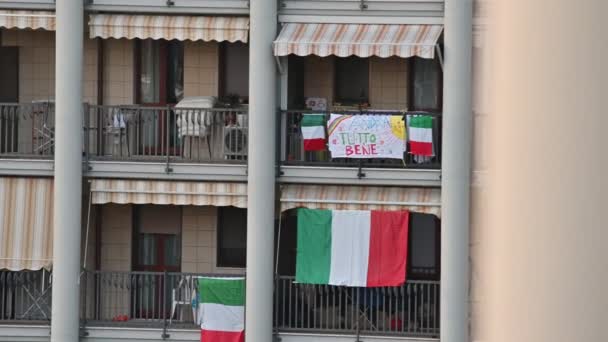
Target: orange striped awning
[(363, 40), (168, 192), (167, 27), (26, 223), (34, 20), (422, 200)]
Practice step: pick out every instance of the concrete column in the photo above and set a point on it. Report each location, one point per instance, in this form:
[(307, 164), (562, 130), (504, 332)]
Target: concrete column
[(67, 198), (456, 169), (261, 171)]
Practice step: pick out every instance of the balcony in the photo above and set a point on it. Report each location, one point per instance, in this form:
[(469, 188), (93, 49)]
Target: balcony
[(167, 302), (190, 143), (298, 165)]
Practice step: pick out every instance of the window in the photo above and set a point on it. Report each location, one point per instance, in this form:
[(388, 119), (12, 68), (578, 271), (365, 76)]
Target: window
[(232, 237), (424, 242), (425, 84), (160, 71), (158, 238), (351, 80), (235, 71)]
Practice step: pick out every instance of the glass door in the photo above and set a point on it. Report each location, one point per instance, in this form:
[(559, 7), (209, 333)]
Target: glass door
[(160, 84)]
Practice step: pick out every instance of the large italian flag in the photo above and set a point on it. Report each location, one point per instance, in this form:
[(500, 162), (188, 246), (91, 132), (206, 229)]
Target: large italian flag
[(421, 135), (222, 302), (313, 132), (352, 247)]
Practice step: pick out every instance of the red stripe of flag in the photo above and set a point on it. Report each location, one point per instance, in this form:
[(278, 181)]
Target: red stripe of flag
[(314, 144), (387, 248), (421, 148), (222, 336)]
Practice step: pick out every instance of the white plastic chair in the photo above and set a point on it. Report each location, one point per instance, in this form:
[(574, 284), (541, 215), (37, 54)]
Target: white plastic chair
[(183, 295)]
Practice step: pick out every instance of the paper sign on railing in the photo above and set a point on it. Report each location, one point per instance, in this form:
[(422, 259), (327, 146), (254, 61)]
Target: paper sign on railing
[(366, 136)]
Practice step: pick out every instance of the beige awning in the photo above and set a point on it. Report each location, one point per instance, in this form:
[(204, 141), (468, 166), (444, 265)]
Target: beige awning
[(167, 27), (26, 223), (168, 192), (363, 40), (34, 20), (422, 200)]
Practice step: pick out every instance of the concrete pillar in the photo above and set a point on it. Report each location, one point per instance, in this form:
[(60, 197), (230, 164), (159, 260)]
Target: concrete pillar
[(67, 199), (456, 169), (261, 171), (544, 259)]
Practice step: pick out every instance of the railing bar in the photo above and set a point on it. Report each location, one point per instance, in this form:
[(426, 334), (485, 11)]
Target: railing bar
[(416, 287), (427, 307), (283, 301)]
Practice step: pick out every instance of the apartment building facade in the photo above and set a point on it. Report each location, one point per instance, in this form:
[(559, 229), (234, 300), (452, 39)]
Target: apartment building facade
[(170, 162)]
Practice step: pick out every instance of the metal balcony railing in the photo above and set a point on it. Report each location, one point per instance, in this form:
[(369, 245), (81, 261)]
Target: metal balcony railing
[(179, 134), (174, 135), (293, 150), (27, 130), (410, 310), (130, 133), (25, 296), (169, 300)]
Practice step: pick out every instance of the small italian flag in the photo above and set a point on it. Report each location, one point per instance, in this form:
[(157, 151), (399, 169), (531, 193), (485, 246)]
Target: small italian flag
[(222, 302), (421, 135), (351, 247), (313, 132)]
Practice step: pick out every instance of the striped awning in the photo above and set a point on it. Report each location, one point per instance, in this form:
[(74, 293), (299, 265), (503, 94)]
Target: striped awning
[(168, 192), (192, 28), (34, 20), (363, 40), (26, 223), (422, 200)]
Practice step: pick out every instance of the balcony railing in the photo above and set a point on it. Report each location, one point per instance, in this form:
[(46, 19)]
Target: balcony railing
[(139, 299), (294, 154), (179, 134), (175, 135), (27, 130), (411, 309), (169, 300), (25, 296), (131, 133)]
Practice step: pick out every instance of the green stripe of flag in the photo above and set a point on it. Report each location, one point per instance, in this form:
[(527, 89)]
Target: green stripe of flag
[(309, 120), (313, 259), (422, 121), (225, 291)]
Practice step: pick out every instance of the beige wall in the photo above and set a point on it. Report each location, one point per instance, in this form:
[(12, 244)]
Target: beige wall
[(319, 77), (118, 59), (201, 68), (37, 64), (387, 81), (37, 67), (116, 237), (199, 241)]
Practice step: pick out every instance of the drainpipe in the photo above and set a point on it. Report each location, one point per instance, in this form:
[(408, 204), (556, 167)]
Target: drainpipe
[(456, 170), (67, 197), (261, 171)]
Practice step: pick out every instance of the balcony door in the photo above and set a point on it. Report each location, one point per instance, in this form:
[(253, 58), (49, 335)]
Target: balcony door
[(157, 249), (159, 84)]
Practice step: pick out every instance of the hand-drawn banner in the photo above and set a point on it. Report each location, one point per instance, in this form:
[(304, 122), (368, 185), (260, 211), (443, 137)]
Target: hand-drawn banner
[(366, 136)]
